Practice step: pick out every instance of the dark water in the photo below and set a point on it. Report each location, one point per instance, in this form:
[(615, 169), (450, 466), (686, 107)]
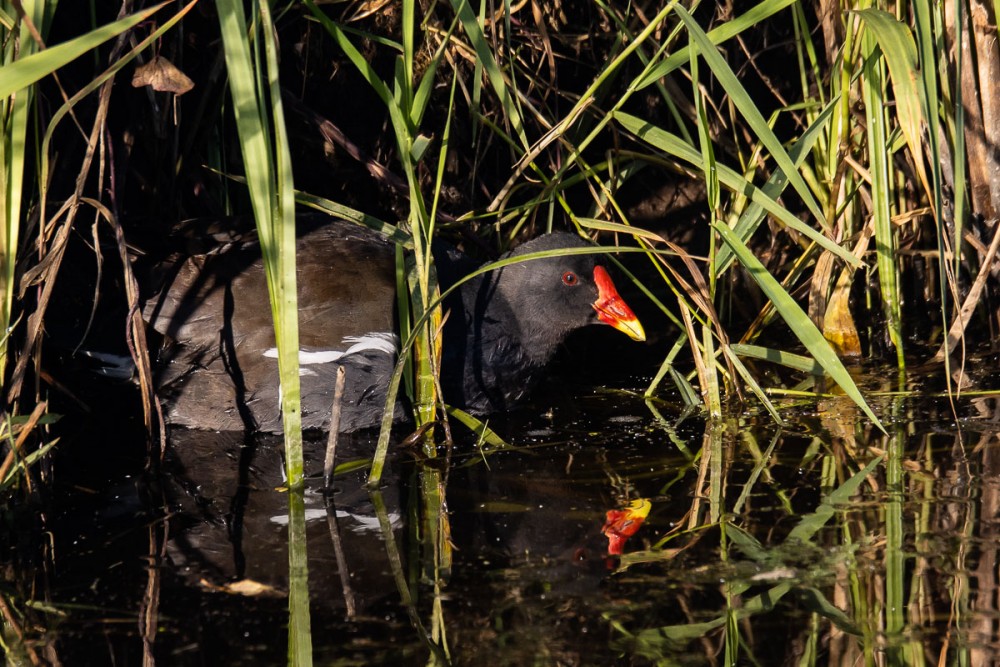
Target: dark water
[(821, 542)]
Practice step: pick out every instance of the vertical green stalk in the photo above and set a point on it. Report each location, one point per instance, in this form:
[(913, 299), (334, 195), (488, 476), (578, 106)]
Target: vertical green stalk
[(256, 95), (711, 392), (417, 289), (14, 113), (879, 152), (406, 104), (862, 609), (929, 55), (840, 125), (904, 650), (437, 545), (717, 475), (439, 655), (926, 17)]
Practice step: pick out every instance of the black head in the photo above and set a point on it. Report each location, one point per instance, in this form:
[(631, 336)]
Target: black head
[(549, 298), (514, 318)]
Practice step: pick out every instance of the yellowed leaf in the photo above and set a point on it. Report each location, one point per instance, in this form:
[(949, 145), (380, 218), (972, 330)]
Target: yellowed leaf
[(246, 587), (838, 323)]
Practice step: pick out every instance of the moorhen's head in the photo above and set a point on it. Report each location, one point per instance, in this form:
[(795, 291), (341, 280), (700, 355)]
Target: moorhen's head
[(548, 298)]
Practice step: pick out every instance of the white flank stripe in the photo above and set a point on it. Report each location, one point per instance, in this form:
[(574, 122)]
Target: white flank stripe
[(372, 342), (376, 342), (318, 357)]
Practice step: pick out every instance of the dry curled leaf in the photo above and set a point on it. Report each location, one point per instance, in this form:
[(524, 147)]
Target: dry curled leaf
[(163, 76)]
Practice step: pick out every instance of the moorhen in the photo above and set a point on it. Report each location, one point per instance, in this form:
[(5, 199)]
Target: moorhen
[(219, 368)]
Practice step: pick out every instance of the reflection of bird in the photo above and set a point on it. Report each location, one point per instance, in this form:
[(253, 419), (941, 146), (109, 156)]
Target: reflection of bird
[(221, 370)]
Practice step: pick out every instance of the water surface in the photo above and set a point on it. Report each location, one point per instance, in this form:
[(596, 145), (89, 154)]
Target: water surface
[(821, 541)]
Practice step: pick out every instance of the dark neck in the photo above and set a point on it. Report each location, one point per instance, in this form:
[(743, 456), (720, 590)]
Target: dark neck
[(498, 364)]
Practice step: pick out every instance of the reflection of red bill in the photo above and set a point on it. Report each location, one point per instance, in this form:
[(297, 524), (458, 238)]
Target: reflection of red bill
[(623, 524)]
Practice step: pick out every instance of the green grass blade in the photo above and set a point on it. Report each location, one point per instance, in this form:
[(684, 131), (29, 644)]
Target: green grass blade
[(357, 59), (27, 71), (879, 153), (900, 51), (486, 435), (726, 31), (299, 632), (408, 24), (484, 53), (799, 322), (385, 428), (757, 123), (674, 145), (795, 361), (391, 232), (422, 96), (751, 383), (256, 95), (709, 170), (929, 47), (751, 218), (269, 181)]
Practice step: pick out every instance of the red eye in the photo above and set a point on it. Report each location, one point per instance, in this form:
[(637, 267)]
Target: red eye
[(569, 278)]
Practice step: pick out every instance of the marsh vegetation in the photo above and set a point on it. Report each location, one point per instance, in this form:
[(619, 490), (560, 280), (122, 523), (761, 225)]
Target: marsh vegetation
[(797, 465)]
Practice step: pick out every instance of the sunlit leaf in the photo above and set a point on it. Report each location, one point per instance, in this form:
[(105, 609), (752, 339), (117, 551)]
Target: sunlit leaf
[(739, 96), (789, 359), (674, 145), (838, 322), (900, 51), (799, 322)]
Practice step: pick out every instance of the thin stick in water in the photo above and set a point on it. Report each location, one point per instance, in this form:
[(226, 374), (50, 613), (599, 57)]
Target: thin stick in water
[(331, 439)]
